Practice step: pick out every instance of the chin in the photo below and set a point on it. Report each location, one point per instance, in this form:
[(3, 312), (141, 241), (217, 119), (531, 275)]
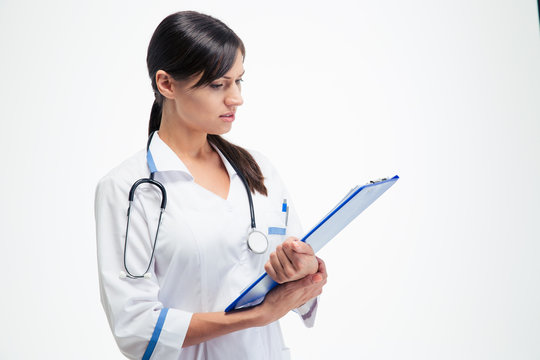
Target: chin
[(221, 131)]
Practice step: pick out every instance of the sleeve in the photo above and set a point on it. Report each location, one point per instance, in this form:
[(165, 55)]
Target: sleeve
[(141, 325), (308, 311)]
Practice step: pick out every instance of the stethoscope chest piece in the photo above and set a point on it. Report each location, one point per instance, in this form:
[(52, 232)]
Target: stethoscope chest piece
[(257, 241)]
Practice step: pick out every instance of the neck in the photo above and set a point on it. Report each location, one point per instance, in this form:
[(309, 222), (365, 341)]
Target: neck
[(186, 143)]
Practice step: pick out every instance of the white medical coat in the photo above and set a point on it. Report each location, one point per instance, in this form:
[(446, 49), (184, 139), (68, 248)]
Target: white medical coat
[(201, 261)]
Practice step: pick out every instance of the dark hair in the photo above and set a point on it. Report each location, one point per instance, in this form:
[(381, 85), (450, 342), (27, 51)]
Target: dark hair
[(189, 43)]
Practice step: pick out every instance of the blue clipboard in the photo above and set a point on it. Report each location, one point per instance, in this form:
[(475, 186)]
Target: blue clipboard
[(356, 201)]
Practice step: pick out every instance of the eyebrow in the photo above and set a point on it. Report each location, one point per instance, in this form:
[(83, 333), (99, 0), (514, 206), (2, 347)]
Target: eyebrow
[(228, 77)]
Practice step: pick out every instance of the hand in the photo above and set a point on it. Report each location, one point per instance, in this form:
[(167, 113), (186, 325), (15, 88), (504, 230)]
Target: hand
[(292, 260), (293, 294)]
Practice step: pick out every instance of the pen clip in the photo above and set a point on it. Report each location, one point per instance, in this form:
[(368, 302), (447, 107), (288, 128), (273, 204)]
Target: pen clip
[(285, 209)]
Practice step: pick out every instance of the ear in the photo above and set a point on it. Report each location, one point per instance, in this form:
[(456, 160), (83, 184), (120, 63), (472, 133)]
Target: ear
[(164, 84)]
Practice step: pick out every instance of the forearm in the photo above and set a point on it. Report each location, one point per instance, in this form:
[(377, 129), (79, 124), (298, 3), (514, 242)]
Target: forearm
[(206, 326), (278, 302)]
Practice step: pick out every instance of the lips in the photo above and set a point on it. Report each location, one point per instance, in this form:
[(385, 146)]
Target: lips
[(228, 117)]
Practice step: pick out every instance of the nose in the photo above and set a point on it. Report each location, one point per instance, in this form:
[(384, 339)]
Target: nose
[(234, 96)]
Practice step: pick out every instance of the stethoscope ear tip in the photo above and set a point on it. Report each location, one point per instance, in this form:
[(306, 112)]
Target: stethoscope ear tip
[(122, 275), (147, 275)]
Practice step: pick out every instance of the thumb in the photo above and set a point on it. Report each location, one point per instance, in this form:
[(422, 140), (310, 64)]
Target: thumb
[(316, 278)]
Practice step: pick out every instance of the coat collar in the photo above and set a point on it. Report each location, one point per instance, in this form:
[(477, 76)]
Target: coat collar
[(165, 159)]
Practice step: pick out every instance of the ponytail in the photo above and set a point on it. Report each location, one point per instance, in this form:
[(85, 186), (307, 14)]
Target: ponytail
[(155, 118), (243, 160)]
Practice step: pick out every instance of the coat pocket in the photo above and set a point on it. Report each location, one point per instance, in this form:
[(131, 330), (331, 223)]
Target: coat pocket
[(275, 228)]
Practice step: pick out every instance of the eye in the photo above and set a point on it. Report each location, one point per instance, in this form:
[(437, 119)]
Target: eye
[(239, 81), (216, 86)]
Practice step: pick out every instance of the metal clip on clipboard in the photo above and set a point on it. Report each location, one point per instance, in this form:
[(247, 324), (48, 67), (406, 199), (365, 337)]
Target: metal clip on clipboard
[(356, 201), (378, 180)]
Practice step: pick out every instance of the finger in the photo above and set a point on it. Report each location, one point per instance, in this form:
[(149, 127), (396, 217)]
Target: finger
[(286, 264), (288, 246), (322, 270), (302, 263), (292, 256), (270, 271), (322, 266), (316, 278), (276, 265), (302, 248)]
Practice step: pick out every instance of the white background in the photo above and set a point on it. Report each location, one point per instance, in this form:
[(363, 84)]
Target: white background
[(444, 93)]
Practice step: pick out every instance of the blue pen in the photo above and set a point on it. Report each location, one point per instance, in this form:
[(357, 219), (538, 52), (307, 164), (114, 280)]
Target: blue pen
[(285, 209)]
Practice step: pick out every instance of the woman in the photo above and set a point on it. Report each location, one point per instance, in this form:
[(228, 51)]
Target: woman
[(164, 287)]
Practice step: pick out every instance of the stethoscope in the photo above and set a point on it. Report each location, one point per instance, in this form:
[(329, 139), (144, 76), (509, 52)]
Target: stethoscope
[(257, 241)]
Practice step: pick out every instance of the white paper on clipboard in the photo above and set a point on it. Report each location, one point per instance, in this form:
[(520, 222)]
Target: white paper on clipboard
[(356, 201)]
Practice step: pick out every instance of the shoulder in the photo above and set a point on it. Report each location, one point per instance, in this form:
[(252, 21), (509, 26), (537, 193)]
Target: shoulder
[(121, 177)]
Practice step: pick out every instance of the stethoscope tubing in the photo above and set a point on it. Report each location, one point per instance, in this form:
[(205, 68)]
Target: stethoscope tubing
[(250, 199), (152, 181), (162, 210)]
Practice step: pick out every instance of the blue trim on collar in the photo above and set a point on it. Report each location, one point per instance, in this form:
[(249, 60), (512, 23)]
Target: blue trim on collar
[(157, 330), (150, 161)]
